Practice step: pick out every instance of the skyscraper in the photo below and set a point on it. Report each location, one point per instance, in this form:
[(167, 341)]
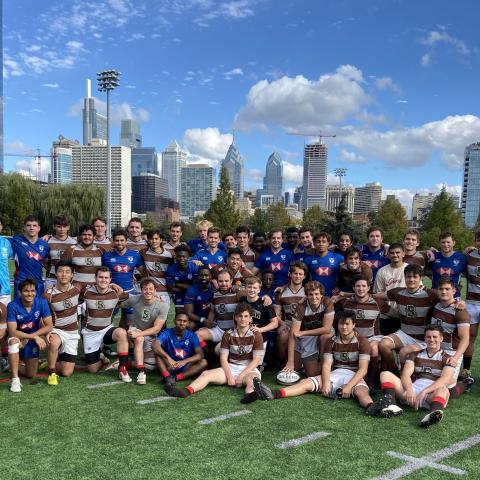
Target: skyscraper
[(130, 134), (233, 162), (273, 179), (471, 185), (94, 124), (144, 160), (173, 160), (315, 157), (197, 189), (89, 165), (367, 198), (147, 191), (62, 156)]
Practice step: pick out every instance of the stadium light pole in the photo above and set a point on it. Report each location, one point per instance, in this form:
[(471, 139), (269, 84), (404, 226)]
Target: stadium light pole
[(108, 81), (340, 172)]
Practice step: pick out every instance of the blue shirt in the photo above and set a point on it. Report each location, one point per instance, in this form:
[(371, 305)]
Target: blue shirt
[(178, 349), (200, 299), (122, 267), (278, 262), (209, 259), (6, 252), (29, 258), (197, 244), (28, 322), (451, 266), (324, 269), (175, 275), (375, 260)]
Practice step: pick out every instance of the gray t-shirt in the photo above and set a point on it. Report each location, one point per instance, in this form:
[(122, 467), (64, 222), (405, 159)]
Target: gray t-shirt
[(144, 315)]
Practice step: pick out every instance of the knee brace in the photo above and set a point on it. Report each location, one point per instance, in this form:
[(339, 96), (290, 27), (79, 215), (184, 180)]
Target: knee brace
[(13, 347)]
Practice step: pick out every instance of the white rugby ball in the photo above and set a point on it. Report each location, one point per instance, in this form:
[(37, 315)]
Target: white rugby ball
[(287, 378)]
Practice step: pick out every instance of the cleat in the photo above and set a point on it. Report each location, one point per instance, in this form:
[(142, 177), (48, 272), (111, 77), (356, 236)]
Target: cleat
[(4, 365), (263, 392), (141, 378), (170, 380), (124, 376), (431, 418), (468, 382), (52, 380), (392, 410), (377, 407), (15, 385), (174, 391), (465, 373)]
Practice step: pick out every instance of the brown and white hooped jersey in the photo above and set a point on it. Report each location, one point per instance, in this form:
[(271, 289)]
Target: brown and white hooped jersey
[(313, 318), (85, 262), (156, 265), (473, 277), (418, 258), (100, 306), (366, 313), (106, 244), (249, 258), (64, 307), (238, 277), (450, 319), (347, 355), (289, 302), (136, 245), (346, 277), (170, 248), (224, 305), (413, 309), (57, 247), (428, 367), (241, 348)]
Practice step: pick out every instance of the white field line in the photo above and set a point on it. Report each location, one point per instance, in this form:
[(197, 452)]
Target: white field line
[(430, 460), (221, 418), (302, 440), (153, 400), (107, 384)]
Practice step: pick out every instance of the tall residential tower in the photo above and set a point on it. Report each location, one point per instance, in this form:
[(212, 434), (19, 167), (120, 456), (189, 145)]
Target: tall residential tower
[(94, 124), (233, 162), (471, 185), (315, 157), (173, 160)]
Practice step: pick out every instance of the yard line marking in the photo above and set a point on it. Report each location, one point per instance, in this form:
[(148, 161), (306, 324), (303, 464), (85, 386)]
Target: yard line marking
[(296, 442), (153, 400), (430, 460), (221, 418), (107, 384)]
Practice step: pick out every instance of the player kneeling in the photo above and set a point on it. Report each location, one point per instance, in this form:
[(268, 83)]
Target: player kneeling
[(241, 352), (433, 375), (345, 363), (178, 352)]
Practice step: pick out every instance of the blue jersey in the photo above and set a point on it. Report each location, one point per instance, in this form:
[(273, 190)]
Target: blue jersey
[(375, 260), (28, 321), (29, 259), (200, 299), (324, 269), (122, 267), (209, 259), (175, 275), (278, 263), (451, 266), (197, 244), (6, 252), (178, 349)]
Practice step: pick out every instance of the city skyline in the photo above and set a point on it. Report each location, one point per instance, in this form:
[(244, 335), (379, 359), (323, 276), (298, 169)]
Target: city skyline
[(394, 82)]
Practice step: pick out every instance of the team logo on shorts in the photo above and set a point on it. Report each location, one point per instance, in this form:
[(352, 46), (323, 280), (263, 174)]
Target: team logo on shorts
[(410, 311), (89, 261), (146, 315), (100, 305), (67, 303)]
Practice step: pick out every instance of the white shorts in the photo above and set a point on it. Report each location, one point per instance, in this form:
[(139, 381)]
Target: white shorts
[(217, 334), (147, 340), (238, 369), (69, 341), (307, 346), (5, 299), (404, 338), (93, 339), (338, 379), (418, 386), (474, 310)]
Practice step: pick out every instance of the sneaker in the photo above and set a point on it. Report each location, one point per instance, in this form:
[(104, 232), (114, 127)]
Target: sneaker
[(468, 381), (431, 418), (109, 352), (263, 392), (392, 411), (4, 365), (377, 407), (15, 385), (124, 376), (141, 378), (52, 379)]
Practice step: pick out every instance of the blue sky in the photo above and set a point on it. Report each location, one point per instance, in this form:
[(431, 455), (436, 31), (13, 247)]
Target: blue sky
[(396, 81)]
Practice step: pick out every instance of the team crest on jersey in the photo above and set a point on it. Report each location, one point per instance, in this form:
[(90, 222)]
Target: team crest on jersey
[(276, 267), (241, 350), (100, 305), (130, 259), (222, 308), (344, 357), (331, 260), (41, 248), (180, 353), (323, 271), (360, 315), (456, 262), (121, 268), (146, 315), (267, 259), (89, 261), (446, 272), (157, 266), (411, 311), (67, 304), (426, 370), (283, 257)]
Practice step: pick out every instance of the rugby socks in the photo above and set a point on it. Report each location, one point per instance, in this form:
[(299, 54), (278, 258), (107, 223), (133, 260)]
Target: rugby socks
[(123, 360), (52, 370), (437, 403), (179, 376), (141, 367), (459, 388), (5, 351), (373, 368), (388, 388), (279, 393), (467, 362), (249, 397)]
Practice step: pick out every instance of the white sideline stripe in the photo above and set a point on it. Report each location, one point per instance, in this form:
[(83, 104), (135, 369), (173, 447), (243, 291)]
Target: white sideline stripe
[(221, 418), (153, 400), (430, 460), (302, 440), (107, 384)]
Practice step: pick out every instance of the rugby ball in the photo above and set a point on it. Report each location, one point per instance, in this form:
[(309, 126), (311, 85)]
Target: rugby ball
[(287, 378)]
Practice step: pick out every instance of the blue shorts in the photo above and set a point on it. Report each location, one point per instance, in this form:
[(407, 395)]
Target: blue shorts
[(30, 350), (179, 370)]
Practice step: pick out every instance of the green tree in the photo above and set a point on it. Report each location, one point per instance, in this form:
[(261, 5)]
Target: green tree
[(277, 216), (443, 215), (341, 222), (222, 211), (391, 219), (314, 218), (258, 221)]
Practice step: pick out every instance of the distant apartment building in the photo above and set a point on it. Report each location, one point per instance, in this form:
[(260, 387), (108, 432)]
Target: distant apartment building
[(367, 198)]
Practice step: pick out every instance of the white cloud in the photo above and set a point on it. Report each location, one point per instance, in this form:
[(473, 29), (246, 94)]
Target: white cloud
[(51, 85), (207, 144), (135, 36), (11, 67), (74, 45), (426, 60), (435, 37), (351, 157), (401, 101), (236, 72), (229, 10), (299, 104), (386, 83), (254, 175), (30, 167), (292, 173), (17, 146)]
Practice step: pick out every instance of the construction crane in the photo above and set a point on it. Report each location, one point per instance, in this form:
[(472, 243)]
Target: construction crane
[(38, 156), (319, 135)]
